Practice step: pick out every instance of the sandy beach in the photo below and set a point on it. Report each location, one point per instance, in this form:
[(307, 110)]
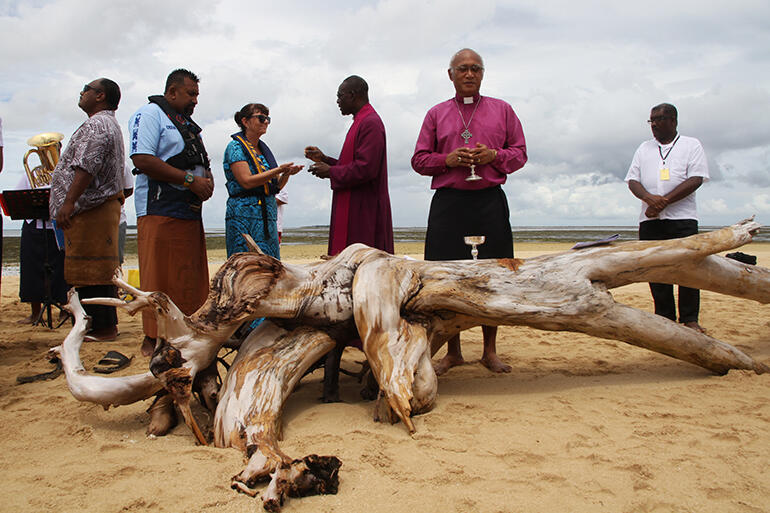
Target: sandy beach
[(580, 425)]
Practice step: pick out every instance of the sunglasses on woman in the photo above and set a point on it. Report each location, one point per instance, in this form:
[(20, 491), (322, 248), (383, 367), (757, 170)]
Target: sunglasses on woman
[(262, 118)]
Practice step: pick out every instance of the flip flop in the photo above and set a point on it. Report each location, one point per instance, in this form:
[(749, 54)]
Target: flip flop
[(111, 362), (44, 376)]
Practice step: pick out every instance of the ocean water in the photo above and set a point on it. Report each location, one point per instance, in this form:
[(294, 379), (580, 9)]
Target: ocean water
[(215, 238), (568, 234)]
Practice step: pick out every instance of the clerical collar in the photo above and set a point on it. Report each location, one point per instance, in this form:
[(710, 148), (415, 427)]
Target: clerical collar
[(467, 100)]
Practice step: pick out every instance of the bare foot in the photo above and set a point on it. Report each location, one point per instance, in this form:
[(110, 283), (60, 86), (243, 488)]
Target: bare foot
[(104, 335), (162, 416), (447, 363), (693, 325), (148, 346), (27, 320), (493, 363)]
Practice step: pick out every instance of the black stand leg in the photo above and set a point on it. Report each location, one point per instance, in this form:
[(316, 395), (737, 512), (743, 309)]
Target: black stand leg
[(45, 309)]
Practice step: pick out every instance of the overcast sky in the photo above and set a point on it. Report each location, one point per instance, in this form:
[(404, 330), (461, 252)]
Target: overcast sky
[(581, 76)]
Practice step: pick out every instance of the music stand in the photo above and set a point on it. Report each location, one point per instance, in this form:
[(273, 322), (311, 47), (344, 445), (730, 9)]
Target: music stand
[(33, 204)]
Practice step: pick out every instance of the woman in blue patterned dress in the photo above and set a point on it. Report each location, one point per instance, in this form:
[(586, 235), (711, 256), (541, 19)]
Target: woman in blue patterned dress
[(253, 180)]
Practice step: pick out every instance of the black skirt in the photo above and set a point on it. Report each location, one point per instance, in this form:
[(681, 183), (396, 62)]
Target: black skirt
[(456, 213), (32, 256)]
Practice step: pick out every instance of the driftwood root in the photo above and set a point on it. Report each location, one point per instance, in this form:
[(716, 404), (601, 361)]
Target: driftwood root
[(311, 475)]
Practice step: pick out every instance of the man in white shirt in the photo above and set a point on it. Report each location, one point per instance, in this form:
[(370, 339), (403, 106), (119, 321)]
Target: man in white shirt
[(665, 173)]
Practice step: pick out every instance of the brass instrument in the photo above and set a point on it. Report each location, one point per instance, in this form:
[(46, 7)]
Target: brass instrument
[(47, 149)]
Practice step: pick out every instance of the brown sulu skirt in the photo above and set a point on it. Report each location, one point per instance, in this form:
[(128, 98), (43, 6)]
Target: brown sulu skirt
[(91, 245), (172, 259)]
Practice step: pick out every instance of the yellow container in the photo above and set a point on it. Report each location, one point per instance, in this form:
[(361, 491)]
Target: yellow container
[(133, 280)]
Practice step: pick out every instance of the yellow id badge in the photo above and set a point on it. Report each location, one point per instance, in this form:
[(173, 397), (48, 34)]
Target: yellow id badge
[(664, 174)]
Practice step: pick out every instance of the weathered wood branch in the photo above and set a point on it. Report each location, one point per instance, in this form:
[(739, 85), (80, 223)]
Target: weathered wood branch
[(106, 391), (398, 350), (397, 301), (268, 366), (182, 352)]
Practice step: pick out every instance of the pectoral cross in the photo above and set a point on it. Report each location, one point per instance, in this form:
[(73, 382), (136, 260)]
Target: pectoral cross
[(466, 135)]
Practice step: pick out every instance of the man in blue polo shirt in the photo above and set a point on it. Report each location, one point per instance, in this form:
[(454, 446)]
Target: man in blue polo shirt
[(173, 180)]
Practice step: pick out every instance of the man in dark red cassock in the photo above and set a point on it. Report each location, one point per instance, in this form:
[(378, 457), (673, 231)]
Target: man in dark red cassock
[(359, 178)]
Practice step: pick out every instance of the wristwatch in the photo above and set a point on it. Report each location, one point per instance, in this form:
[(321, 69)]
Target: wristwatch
[(189, 178)]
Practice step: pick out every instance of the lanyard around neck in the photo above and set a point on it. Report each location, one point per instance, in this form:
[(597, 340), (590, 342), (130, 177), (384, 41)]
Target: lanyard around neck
[(252, 153), (660, 150)]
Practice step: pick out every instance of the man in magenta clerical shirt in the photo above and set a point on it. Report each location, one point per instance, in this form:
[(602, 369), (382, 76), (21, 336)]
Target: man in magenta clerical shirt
[(359, 178), (476, 137)]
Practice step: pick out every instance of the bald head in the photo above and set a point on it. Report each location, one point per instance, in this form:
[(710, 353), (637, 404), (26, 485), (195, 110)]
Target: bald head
[(357, 85), (465, 52), (352, 94), (466, 71)]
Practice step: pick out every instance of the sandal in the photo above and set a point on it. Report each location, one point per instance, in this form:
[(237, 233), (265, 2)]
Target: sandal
[(111, 362), (44, 376)]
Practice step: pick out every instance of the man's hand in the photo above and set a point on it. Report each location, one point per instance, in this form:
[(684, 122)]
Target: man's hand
[(64, 215), (467, 157), (656, 203), (320, 169), (202, 187), (482, 155), (652, 212), (79, 184), (314, 154), (459, 157)]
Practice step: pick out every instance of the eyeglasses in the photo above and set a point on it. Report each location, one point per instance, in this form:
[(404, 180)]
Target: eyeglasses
[(262, 118), (475, 69), (658, 119), (88, 87)]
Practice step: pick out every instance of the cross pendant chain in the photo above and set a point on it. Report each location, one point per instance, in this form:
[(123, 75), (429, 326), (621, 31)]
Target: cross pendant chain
[(466, 134)]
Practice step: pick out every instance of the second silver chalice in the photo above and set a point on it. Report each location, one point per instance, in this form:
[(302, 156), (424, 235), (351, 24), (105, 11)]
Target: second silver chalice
[(474, 241)]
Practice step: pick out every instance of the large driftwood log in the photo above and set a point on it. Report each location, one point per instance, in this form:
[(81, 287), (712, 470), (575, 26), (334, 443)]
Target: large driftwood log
[(404, 310)]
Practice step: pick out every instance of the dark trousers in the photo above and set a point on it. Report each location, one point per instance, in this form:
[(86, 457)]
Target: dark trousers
[(37, 247), (102, 316), (455, 213), (663, 293)]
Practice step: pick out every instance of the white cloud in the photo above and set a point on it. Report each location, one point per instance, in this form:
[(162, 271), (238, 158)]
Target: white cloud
[(582, 77)]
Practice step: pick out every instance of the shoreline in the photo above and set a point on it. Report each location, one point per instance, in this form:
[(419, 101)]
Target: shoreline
[(306, 253)]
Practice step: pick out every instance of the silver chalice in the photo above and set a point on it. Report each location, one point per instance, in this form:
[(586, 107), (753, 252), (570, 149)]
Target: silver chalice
[(474, 241)]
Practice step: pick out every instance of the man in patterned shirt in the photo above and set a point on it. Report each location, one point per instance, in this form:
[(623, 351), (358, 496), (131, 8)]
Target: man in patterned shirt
[(86, 195)]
